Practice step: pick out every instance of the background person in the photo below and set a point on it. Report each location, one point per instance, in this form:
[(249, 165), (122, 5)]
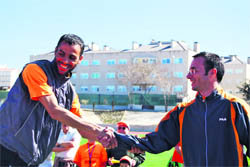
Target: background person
[(40, 100), (91, 154), (212, 128), (125, 157), (66, 147)]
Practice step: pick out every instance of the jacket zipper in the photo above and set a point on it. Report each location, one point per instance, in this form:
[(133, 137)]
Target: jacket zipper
[(206, 130), (33, 109), (26, 119)]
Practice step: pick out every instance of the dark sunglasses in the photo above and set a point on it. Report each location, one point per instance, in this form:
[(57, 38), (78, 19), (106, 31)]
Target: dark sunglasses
[(120, 127)]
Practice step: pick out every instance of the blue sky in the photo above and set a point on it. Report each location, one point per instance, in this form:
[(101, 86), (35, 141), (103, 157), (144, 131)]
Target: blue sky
[(30, 27)]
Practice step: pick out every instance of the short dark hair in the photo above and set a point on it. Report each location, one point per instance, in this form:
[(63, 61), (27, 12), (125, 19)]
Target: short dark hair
[(212, 61), (72, 39)]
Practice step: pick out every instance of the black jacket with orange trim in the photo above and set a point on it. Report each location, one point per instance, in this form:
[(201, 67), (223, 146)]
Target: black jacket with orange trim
[(212, 131)]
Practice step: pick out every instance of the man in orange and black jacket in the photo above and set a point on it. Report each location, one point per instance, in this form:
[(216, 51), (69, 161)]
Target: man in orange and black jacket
[(212, 129)]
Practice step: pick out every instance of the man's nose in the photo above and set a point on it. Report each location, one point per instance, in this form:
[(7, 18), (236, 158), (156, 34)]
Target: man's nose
[(66, 60), (188, 76)]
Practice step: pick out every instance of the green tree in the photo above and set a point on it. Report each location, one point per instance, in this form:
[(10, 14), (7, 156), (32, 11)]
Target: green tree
[(245, 89)]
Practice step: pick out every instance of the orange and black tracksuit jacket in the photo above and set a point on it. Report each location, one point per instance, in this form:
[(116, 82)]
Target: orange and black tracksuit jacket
[(212, 131)]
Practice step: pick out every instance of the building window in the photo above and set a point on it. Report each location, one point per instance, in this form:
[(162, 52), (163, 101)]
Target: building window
[(145, 60), (121, 75), (121, 88), (165, 61), (229, 71), (111, 62), (84, 89), (84, 75), (238, 71), (74, 76), (95, 75), (153, 75), (151, 61), (110, 88), (152, 88), (95, 88), (178, 88), (178, 61), (85, 63), (96, 62), (136, 88), (166, 89), (123, 61), (110, 75), (178, 74), (166, 74)]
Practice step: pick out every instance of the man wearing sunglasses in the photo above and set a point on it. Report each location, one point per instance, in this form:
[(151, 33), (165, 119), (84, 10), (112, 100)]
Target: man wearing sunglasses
[(125, 158)]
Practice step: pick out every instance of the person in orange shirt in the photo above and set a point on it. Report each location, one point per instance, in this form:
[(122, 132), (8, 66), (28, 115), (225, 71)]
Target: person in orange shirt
[(91, 154)]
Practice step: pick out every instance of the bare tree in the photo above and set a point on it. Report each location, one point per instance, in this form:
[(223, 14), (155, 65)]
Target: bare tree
[(166, 84), (138, 74), (245, 90), (146, 76)]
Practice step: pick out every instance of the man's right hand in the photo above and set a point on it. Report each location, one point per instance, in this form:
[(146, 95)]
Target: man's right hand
[(107, 138)]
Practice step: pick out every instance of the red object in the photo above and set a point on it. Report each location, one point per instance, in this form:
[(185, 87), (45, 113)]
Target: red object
[(177, 157), (124, 124)]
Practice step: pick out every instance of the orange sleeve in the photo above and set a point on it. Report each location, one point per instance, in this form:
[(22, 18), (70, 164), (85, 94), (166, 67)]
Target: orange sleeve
[(36, 81), (76, 106)]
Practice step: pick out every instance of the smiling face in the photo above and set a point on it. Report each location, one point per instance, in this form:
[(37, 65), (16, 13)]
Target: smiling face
[(67, 57), (200, 81)]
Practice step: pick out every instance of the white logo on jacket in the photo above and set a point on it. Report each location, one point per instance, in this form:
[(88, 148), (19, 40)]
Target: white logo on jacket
[(222, 119)]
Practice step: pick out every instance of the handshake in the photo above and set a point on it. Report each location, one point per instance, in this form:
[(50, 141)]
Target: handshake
[(107, 138), (110, 139)]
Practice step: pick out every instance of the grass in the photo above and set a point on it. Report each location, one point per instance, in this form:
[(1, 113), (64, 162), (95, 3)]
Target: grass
[(159, 160)]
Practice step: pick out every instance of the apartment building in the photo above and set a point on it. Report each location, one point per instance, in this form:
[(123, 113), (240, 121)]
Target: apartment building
[(8, 77), (236, 73), (99, 72)]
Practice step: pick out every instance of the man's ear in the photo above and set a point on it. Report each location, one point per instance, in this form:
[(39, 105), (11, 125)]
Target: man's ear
[(213, 73), (81, 57)]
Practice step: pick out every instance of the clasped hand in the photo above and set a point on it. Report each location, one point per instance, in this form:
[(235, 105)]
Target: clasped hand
[(107, 138)]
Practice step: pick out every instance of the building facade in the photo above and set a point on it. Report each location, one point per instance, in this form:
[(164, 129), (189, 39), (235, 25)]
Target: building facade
[(8, 77), (236, 73), (100, 71)]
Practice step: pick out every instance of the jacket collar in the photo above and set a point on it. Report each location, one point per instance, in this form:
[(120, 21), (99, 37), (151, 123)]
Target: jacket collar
[(215, 93)]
